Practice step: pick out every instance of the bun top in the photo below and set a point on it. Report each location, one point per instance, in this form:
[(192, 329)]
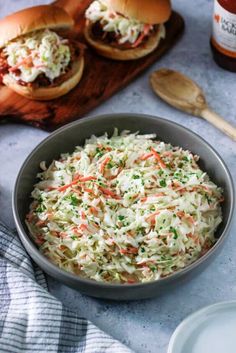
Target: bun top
[(33, 19), (146, 11)]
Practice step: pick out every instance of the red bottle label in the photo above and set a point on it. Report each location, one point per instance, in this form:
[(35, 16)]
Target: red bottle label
[(224, 30)]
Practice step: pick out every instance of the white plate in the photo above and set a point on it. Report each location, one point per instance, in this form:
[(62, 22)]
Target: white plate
[(209, 330)]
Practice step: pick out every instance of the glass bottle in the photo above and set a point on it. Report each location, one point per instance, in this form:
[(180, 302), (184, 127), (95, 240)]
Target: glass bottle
[(223, 39)]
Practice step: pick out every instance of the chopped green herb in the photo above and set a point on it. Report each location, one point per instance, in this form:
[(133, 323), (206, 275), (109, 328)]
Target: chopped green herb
[(100, 154), (163, 183), (121, 218), (174, 231), (73, 200), (41, 208)]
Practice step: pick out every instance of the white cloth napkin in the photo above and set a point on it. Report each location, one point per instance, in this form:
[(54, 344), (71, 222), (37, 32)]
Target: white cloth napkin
[(32, 320)]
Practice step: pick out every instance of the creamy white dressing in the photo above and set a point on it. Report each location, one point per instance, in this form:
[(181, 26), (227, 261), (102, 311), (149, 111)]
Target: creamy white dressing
[(40, 52)]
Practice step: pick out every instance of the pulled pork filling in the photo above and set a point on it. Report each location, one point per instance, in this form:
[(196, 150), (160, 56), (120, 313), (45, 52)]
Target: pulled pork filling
[(117, 30), (38, 59)]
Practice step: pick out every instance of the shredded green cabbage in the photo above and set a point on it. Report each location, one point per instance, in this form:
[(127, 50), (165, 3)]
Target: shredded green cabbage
[(124, 209)]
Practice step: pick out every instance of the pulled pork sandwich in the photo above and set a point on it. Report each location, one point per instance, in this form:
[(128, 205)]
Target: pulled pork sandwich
[(126, 29), (36, 60)]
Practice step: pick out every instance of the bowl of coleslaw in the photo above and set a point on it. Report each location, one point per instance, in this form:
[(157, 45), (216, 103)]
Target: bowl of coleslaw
[(123, 206)]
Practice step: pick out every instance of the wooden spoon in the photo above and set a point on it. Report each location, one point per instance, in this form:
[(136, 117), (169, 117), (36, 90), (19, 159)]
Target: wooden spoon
[(184, 94)]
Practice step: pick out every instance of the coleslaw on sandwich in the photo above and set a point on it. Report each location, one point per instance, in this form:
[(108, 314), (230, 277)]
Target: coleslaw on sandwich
[(42, 52)]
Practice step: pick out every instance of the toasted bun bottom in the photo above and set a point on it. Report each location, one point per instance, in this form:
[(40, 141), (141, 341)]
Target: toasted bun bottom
[(127, 54), (48, 93)]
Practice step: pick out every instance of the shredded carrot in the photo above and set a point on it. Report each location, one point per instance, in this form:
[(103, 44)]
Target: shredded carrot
[(76, 176), (83, 227), (30, 217), (158, 158), (152, 217), (144, 157), (160, 194), (90, 191), (88, 178), (129, 250), (49, 216), (190, 219), (103, 164), (182, 214), (93, 210), (50, 188), (55, 233), (194, 237), (64, 187), (25, 61), (143, 199), (131, 281), (145, 32), (62, 247), (75, 181), (83, 216), (39, 240), (76, 231), (109, 193), (176, 184), (115, 176), (40, 223), (63, 235)]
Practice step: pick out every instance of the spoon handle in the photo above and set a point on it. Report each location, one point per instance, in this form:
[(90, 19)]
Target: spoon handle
[(219, 122)]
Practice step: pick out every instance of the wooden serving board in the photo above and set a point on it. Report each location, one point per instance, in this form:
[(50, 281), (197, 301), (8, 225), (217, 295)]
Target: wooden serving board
[(101, 79)]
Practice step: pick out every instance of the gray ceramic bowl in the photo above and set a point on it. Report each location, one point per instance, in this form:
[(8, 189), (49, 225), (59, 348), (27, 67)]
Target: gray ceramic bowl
[(65, 140)]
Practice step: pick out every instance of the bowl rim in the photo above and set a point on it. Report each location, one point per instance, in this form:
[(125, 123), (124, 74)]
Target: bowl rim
[(32, 248)]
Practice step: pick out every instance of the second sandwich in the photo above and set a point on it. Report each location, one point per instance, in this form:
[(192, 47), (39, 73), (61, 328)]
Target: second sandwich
[(126, 29)]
